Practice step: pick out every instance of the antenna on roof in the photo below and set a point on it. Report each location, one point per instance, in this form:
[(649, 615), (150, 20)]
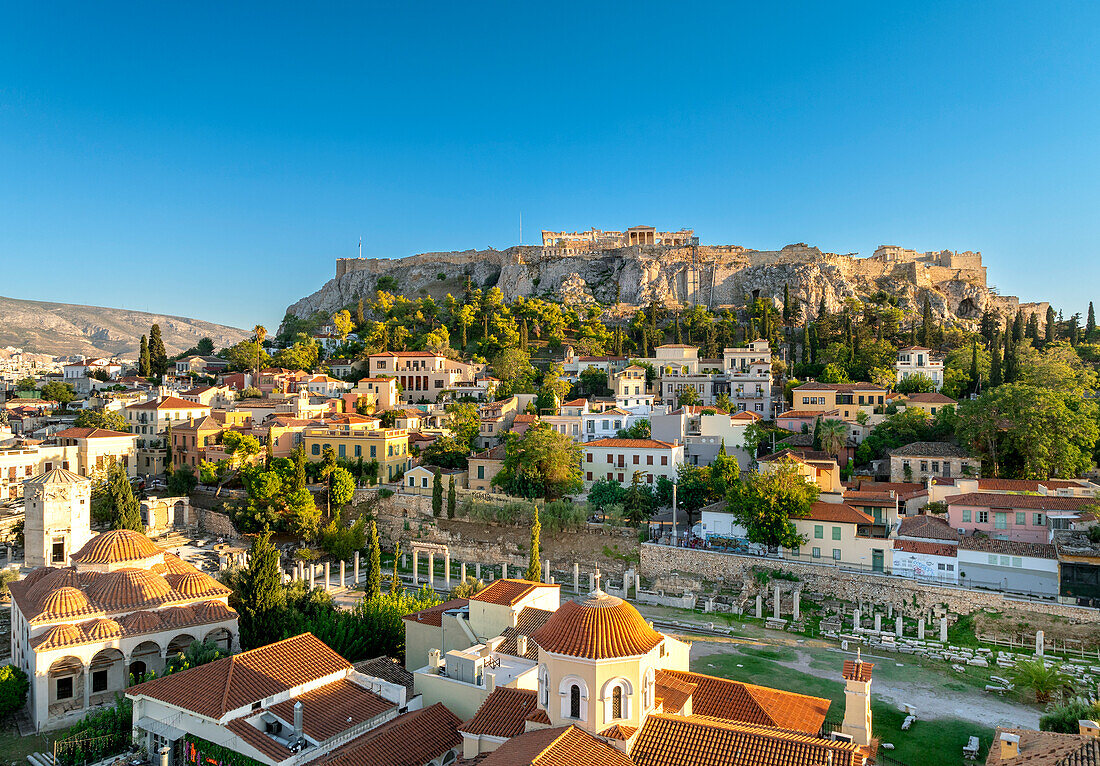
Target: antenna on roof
[(360, 247)]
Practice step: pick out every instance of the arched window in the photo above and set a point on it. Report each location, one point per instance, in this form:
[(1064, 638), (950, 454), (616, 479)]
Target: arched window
[(616, 696), (574, 701), (573, 693), (544, 687), (617, 702)]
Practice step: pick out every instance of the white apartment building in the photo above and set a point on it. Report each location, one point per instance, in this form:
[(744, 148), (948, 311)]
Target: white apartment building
[(618, 459), (570, 425), (150, 420), (422, 374), (604, 425), (917, 360), (749, 375)]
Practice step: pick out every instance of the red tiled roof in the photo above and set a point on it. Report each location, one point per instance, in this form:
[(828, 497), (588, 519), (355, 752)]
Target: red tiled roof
[(218, 687), (90, 433), (503, 713), (617, 731), (1031, 502), (838, 512), (672, 692), (169, 403), (509, 592), (409, 740), (630, 443), (434, 615), (930, 398), (599, 627), (927, 527), (729, 700), (273, 749), (1008, 547), (926, 549), (857, 670), (333, 708), (695, 740), (561, 746), (116, 547)]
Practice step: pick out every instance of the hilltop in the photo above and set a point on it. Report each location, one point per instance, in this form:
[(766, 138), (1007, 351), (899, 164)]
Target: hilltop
[(67, 328)]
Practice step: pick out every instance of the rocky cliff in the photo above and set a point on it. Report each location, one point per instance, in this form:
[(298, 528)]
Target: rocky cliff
[(62, 329), (716, 276)]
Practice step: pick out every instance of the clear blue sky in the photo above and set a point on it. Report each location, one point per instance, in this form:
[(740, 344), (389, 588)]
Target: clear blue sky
[(213, 159)]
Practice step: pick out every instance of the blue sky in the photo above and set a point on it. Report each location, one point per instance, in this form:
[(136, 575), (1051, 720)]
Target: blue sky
[(213, 159)]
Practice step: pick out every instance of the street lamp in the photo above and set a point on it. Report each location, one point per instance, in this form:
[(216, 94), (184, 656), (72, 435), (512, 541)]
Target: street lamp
[(674, 514)]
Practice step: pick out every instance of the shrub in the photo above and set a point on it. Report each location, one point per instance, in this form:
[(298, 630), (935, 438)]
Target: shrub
[(1064, 718), (14, 686)]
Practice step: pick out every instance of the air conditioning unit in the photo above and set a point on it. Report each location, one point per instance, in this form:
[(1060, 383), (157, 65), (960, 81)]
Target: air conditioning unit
[(841, 737), (961, 530)]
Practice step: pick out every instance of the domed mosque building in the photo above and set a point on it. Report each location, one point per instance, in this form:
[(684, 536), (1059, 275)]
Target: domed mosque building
[(589, 680), (122, 607)]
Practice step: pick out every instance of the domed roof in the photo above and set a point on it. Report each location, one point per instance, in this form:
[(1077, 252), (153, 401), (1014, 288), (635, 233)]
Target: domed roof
[(173, 564), (55, 476), (177, 616), (116, 547), (51, 581), (65, 602), (598, 627), (101, 629), (37, 575), (213, 611), (57, 636), (128, 587), (142, 622), (194, 584)]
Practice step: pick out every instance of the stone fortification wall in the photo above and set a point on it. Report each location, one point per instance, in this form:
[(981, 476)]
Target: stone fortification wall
[(911, 596)]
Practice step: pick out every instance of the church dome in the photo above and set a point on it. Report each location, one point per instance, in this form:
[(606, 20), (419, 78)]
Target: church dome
[(58, 636), (129, 588), (51, 580), (214, 611), (64, 602), (142, 622), (116, 547), (598, 627), (194, 584), (177, 616), (101, 629)]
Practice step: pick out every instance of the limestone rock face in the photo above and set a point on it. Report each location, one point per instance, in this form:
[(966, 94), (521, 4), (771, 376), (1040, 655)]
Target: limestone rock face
[(716, 276)]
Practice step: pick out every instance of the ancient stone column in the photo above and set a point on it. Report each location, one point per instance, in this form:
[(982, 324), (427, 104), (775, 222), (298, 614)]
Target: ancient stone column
[(591, 582), (920, 630), (878, 622), (312, 571), (776, 604), (477, 571), (447, 569), (462, 572), (797, 604), (576, 577), (343, 575), (637, 584), (759, 607), (431, 569), (943, 629), (898, 625), (327, 573), (546, 570), (855, 619), (890, 611), (1040, 645), (504, 571), (355, 568), (416, 577)]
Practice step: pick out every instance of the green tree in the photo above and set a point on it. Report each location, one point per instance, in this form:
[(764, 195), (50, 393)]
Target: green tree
[(437, 493), (197, 653), (1044, 682), (1090, 323), (464, 423), (56, 391), (541, 463), (639, 429), (638, 502), (341, 487), (182, 480), (996, 373), (14, 686), (764, 505), (158, 356), (926, 327), (26, 384), (144, 364), (688, 397), (604, 493), (121, 506), (374, 563), (112, 420), (917, 383), (832, 434), (261, 597), (451, 498), (534, 566)]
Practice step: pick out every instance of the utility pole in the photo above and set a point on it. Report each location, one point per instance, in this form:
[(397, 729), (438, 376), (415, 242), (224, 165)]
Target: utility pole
[(674, 515)]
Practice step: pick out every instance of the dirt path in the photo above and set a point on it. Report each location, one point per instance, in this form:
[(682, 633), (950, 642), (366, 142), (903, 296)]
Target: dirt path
[(923, 689)]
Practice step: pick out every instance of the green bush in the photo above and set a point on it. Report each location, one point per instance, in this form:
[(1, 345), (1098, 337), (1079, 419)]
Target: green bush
[(1064, 719), (14, 686)]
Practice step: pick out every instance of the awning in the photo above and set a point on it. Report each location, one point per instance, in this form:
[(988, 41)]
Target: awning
[(161, 729)]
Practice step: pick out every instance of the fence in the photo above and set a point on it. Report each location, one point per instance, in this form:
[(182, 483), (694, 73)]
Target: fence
[(79, 749), (1026, 643)]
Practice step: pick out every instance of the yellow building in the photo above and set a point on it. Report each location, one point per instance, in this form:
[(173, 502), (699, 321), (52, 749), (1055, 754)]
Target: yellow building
[(818, 468), (389, 446), (839, 534), (848, 398)]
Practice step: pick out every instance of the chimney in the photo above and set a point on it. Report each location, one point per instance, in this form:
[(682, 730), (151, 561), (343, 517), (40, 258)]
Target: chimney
[(1088, 728), (297, 720), (1010, 746), (164, 755), (521, 645), (434, 659)]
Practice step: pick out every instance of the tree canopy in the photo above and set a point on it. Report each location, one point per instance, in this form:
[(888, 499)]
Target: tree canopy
[(764, 505)]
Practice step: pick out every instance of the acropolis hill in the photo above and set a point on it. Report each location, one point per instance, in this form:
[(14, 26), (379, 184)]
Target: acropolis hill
[(641, 264)]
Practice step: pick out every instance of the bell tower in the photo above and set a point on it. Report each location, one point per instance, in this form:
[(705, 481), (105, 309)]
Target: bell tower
[(857, 700)]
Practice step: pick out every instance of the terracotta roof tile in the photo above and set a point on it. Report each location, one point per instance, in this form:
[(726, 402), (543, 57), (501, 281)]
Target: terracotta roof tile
[(273, 749), (735, 701), (857, 670), (1008, 547), (115, 547), (214, 689), (1046, 748), (838, 512), (90, 433), (927, 527), (630, 443), (562, 746), (509, 592), (503, 713), (434, 615), (169, 403), (409, 740), (333, 708), (670, 740), (598, 627), (925, 548), (528, 621), (672, 692), (1031, 502), (617, 731)]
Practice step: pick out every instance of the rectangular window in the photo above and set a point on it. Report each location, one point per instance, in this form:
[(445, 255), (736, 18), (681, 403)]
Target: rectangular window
[(636, 459), (819, 532), (817, 553), (1000, 520), (412, 481), (1017, 561), (316, 450), (59, 552), (924, 466), (1006, 561), (587, 476), (836, 533), (65, 688), (1021, 518), (99, 681), (664, 459), (340, 450), (992, 558), (1037, 519), (610, 458), (424, 482), (649, 459), (935, 466), (836, 554), (373, 451), (983, 517), (589, 457), (966, 516)]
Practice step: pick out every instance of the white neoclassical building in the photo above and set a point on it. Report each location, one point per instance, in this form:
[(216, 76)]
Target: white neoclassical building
[(123, 607)]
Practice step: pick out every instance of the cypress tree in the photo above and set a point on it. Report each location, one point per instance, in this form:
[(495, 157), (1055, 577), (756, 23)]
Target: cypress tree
[(158, 357), (988, 325), (451, 498), (374, 563), (1009, 363), (806, 343), (437, 494), (143, 358), (974, 366), (359, 319), (1090, 323), (299, 469), (127, 510), (995, 378), (1051, 325), (261, 594), (168, 449), (926, 324), (534, 568), (269, 444), (1033, 330), (821, 308), (1074, 322), (1018, 327), (395, 580), (679, 337)]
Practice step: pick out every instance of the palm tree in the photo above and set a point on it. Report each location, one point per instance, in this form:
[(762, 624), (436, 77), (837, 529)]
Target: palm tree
[(261, 333), (1042, 680), (832, 434)]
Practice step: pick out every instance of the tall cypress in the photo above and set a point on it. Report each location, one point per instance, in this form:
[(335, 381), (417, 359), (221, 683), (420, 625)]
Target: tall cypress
[(974, 366), (158, 357), (374, 563), (1032, 332), (926, 323), (261, 594), (1051, 325), (806, 343), (143, 358), (299, 469), (1090, 323), (395, 580), (995, 376), (1018, 327), (437, 494), (1010, 367), (451, 499), (534, 567), (127, 510)]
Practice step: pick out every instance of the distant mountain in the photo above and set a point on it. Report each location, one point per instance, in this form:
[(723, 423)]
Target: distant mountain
[(66, 328)]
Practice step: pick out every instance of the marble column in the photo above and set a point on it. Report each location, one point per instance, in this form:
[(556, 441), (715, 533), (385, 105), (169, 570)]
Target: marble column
[(591, 582), (504, 571), (776, 604), (447, 569), (1040, 645), (759, 606), (898, 625), (546, 570), (328, 573), (416, 578), (312, 573), (462, 572), (855, 619), (943, 629), (355, 569), (431, 569), (878, 622), (477, 571), (343, 575), (920, 630), (797, 604), (576, 577), (637, 584)]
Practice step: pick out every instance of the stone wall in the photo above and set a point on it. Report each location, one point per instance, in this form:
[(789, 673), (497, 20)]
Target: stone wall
[(214, 523), (910, 596)]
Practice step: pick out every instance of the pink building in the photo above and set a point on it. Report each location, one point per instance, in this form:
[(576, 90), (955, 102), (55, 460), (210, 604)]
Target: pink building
[(1021, 518)]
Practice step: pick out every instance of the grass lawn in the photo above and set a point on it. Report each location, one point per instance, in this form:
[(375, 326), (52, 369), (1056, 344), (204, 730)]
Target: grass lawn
[(15, 749), (927, 743)]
